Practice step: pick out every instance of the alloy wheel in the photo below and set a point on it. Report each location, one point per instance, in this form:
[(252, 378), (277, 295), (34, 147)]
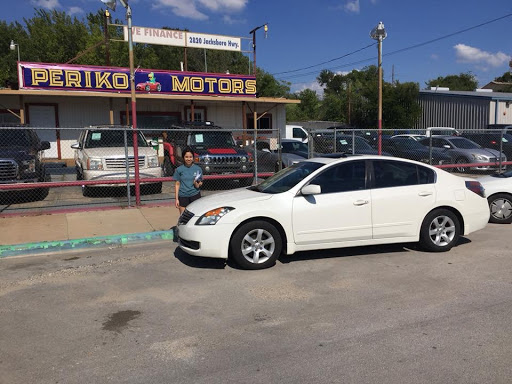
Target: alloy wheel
[(442, 230), (258, 246)]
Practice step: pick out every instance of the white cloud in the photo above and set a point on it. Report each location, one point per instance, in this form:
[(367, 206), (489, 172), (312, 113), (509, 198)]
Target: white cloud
[(196, 9), (74, 10), (352, 6), (467, 54), (313, 86), (434, 56), (227, 5), (48, 4), (229, 20)]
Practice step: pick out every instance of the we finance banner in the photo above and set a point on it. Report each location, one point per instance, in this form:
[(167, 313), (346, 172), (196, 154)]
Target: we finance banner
[(116, 79)]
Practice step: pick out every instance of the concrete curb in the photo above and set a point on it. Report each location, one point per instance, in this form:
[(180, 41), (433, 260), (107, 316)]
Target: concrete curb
[(27, 249)]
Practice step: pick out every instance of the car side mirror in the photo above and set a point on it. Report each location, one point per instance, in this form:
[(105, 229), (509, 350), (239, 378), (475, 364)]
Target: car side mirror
[(447, 146), (311, 189), (75, 146), (44, 145), (153, 143)]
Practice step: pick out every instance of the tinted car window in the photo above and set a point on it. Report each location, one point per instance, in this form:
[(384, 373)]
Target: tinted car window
[(344, 177), (104, 138), (394, 174), (463, 143), (426, 175)]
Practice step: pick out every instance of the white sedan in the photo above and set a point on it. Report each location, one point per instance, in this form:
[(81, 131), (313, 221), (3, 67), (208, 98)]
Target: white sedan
[(498, 189), (331, 203)]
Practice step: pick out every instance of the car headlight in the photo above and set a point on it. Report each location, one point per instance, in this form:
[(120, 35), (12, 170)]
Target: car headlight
[(211, 217), (95, 164), (153, 161), (206, 159), (479, 157), (244, 159), (29, 165)]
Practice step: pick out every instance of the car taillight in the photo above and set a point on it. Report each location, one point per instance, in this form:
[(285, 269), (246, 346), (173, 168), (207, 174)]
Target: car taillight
[(475, 186), (494, 142), (251, 158)]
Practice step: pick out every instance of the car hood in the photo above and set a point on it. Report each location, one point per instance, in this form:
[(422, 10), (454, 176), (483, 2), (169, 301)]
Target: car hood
[(480, 151), (226, 151), (15, 153), (234, 198), (115, 152)]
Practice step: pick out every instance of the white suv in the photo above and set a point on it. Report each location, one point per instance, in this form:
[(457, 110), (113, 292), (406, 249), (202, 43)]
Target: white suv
[(100, 154)]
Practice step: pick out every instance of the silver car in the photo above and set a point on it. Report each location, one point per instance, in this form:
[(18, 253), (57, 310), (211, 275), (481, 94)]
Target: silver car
[(464, 151)]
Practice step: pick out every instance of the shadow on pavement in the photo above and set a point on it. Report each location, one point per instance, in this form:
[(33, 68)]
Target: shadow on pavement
[(199, 262), (358, 251)]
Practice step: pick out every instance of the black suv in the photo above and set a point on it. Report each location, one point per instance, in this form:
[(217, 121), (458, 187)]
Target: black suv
[(492, 140), (20, 158), (215, 150)]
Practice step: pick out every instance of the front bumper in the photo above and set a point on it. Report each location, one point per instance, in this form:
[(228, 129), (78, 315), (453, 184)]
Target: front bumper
[(117, 174), (205, 240)]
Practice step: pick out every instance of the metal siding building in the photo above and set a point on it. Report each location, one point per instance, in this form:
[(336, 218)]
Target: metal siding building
[(464, 110)]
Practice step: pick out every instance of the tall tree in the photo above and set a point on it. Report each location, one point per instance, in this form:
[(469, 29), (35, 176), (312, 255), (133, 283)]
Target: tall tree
[(461, 82)]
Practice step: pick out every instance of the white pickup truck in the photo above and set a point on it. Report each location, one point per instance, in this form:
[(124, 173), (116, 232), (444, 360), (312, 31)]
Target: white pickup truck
[(295, 132), (100, 155)]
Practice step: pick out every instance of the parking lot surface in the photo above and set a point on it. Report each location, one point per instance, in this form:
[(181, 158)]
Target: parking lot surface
[(152, 314)]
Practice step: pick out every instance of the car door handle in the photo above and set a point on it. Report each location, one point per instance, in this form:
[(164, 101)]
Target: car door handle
[(361, 202), (425, 193)]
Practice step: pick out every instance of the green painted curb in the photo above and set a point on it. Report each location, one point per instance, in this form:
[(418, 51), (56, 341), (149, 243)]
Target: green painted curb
[(88, 242)]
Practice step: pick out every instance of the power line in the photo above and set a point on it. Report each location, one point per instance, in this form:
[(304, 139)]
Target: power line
[(328, 61), (390, 53)]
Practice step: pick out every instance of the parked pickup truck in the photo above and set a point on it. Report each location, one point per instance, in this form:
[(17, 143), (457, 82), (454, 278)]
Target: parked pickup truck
[(100, 155), (21, 154), (215, 150)]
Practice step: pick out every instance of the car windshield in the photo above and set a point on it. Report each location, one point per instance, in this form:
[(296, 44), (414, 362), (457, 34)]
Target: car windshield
[(345, 144), (104, 138), (287, 178), (288, 146), (208, 139), (13, 138), (463, 143)]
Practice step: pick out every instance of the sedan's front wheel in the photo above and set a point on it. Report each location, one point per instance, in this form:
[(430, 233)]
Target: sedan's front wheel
[(500, 206), (440, 231), (256, 245)]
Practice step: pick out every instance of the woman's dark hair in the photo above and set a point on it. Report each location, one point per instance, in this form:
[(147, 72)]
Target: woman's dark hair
[(187, 149)]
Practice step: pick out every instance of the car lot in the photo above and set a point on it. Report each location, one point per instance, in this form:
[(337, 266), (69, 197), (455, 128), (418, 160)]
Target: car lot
[(387, 314)]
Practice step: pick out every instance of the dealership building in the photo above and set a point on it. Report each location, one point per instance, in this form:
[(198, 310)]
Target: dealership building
[(66, 98)]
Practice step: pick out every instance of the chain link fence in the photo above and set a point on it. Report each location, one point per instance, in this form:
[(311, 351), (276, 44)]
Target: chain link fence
[(48, 169)]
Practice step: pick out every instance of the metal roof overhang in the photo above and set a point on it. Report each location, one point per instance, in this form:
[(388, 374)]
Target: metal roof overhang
[(154, 96)]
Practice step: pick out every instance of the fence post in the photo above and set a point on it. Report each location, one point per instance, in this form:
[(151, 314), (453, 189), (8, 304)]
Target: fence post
[(501, 148), (430, 149), (279, 150), (127, 167), (353, 142), (334, 147)]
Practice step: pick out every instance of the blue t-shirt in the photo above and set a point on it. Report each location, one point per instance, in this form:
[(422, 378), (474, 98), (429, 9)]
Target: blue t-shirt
[(186, 176)]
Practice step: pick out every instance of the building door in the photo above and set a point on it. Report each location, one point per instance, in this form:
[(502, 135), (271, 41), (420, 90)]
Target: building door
[(45, 116)]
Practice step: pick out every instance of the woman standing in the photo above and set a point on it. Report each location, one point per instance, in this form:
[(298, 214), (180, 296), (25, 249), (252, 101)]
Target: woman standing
[(189, 178)]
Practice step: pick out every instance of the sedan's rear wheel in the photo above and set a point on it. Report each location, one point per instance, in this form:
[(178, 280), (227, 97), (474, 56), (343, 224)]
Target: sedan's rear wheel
[(500, 206), (256, 245), (440, 231)]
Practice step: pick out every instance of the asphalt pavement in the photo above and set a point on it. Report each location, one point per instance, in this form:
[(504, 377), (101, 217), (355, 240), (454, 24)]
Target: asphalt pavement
[(152, 314)]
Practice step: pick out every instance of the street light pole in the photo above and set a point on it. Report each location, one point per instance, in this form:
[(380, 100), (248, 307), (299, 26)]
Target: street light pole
[(13, 46), (112, 5), (265, 26), (379, 33)]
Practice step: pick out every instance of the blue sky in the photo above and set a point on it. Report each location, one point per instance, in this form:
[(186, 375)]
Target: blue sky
[(306, 33)]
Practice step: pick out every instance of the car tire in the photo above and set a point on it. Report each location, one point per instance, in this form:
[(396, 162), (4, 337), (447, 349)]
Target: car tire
[(168, 168), (153, 189), (461, 169), (147, 88), (440, 231), (158, 87), (256, 245), (500, 206)]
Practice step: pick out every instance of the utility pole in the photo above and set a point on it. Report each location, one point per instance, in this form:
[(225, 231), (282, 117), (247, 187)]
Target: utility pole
[(106, 22)]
